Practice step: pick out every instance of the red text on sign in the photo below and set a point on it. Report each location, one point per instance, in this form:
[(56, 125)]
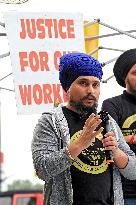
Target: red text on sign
[(47, 28), (34, 60), (39, 94)]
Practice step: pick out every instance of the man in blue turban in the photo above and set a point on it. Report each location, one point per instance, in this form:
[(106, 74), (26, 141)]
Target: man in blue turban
[(71, 67), (68, 147)]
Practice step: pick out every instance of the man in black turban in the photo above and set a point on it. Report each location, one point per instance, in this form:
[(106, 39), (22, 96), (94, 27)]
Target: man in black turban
[(123, 109)]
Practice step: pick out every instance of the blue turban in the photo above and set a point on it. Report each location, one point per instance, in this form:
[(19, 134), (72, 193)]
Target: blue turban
[(73, 65)]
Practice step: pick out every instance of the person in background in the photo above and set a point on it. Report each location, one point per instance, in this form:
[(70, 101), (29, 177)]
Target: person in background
[(123, 109), (68, 147)]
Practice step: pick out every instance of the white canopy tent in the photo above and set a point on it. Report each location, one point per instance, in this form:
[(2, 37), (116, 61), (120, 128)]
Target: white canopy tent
[(104, 64)]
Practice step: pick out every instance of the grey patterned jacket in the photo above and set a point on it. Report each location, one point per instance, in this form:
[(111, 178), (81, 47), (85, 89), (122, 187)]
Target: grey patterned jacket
[(52, 164)]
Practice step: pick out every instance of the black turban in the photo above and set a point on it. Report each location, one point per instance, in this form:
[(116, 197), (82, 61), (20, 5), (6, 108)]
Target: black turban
[(123, 65)]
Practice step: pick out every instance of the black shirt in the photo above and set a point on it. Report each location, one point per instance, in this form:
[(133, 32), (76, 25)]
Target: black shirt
[(123, 109), (91, 176)]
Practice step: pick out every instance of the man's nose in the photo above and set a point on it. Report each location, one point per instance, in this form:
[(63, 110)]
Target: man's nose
[(90, 89)]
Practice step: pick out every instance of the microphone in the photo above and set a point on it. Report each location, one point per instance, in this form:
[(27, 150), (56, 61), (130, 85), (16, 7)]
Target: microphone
[(106, 125)]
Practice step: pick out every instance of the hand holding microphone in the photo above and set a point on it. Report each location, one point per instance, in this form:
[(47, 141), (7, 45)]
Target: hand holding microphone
[(109, 140)]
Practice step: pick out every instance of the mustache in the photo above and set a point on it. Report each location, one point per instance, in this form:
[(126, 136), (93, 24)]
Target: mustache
[(92, 97)]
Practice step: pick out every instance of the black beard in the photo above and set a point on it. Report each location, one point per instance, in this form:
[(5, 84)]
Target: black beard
[(131, 90), (83, 110)]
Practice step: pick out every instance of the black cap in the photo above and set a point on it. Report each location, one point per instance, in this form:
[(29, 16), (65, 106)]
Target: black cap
[(123, 65)]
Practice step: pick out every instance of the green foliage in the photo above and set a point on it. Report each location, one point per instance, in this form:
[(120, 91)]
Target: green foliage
[(24, 184)]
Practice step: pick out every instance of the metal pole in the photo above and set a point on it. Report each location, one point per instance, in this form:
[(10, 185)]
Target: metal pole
[(116, 29), (90, 23), (5, 76), (94, 51), (3, 34), (7, 89), (112, 49), (106, 35), (110, 61), (106, 80), (4, 55), (2, 24)]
